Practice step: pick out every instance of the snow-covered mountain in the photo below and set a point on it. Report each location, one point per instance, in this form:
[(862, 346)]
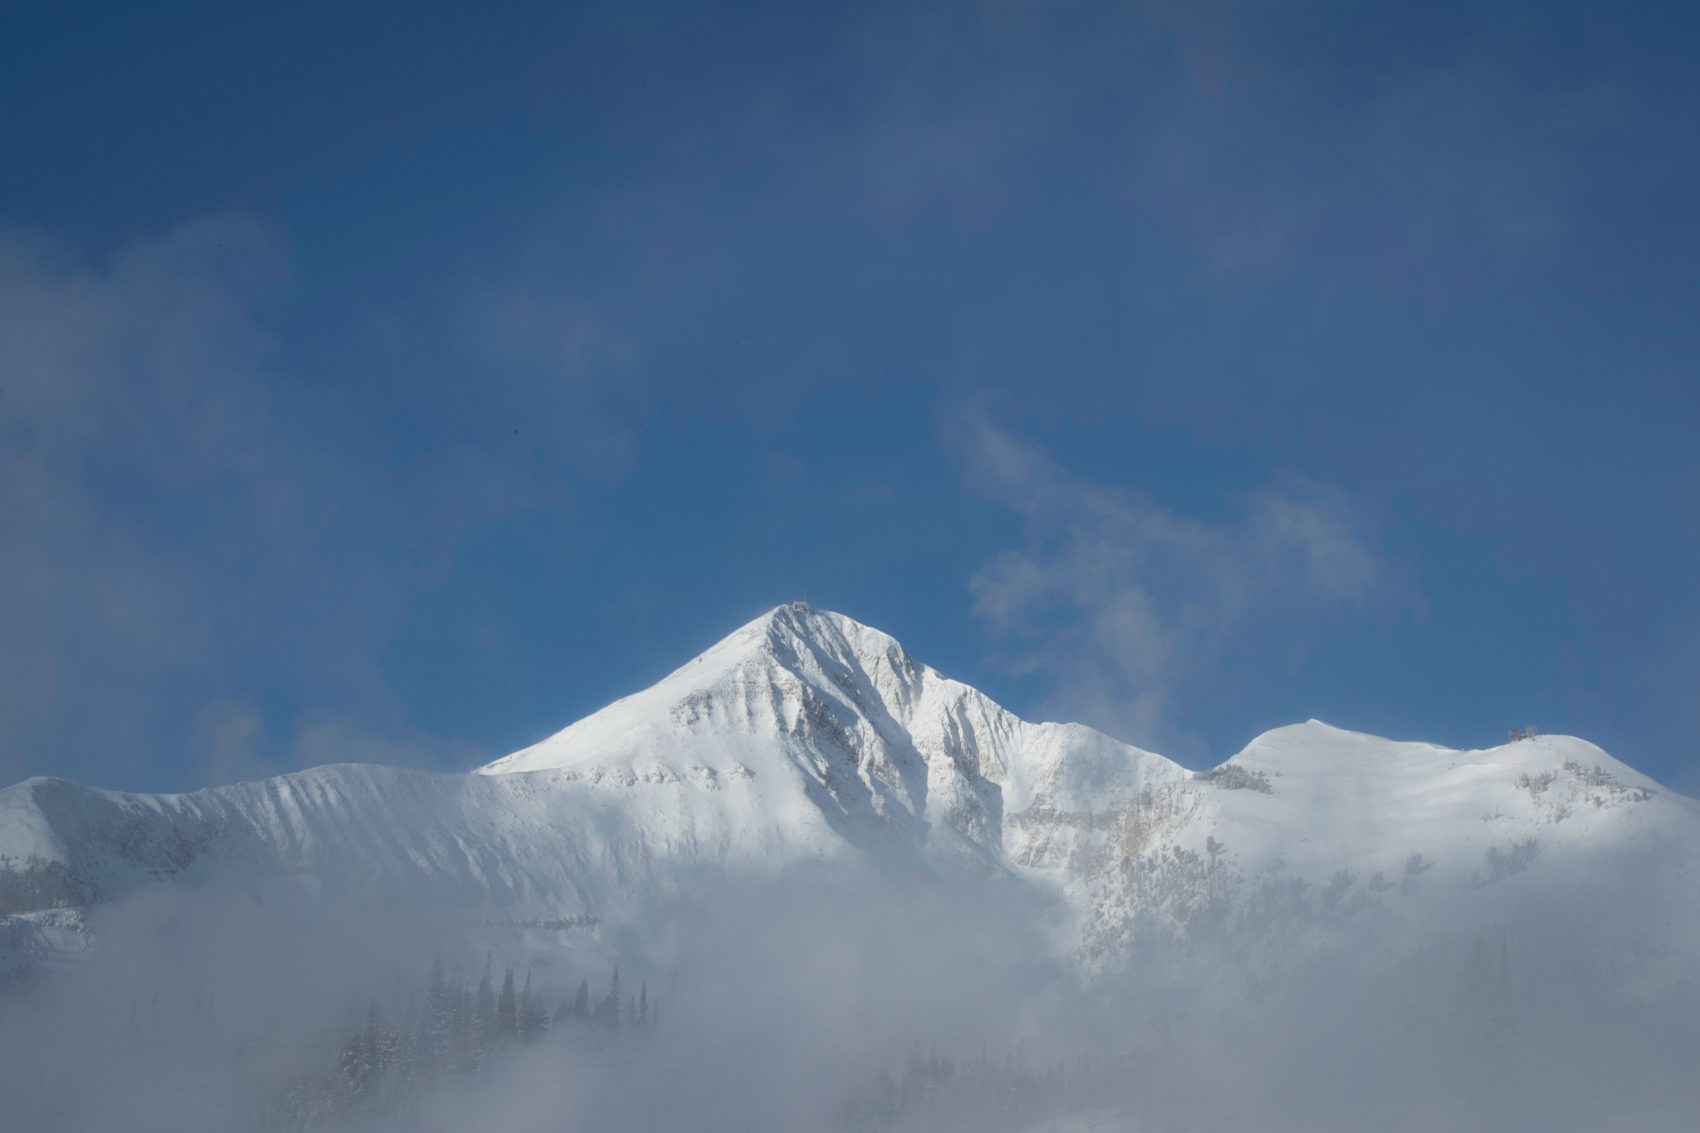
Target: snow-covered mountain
[(806, 736)]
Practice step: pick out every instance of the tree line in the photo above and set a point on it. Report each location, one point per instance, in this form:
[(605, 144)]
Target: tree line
[(451, 1028)]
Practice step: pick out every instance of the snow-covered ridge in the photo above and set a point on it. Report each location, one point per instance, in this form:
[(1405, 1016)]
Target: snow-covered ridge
[(862, 729), (805, 736)]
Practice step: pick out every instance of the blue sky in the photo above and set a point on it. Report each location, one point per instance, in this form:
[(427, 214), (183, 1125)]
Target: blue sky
[(402, 386)]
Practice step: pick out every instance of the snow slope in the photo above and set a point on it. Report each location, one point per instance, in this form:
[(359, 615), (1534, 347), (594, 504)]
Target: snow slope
[(1313, 825), (882, 746), (805, 736)]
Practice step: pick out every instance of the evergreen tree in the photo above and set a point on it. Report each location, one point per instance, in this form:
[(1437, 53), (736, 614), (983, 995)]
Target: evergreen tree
[(507, 1008), (608, 1011), (533, 1019), (436, 1021), (471, 1037), (642, 1019), (485, 1020), (581, 1000), (884, 1103), (359, 1062)]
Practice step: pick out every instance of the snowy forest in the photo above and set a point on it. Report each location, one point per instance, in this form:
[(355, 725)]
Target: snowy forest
[(830, 1022), (385, 1066)]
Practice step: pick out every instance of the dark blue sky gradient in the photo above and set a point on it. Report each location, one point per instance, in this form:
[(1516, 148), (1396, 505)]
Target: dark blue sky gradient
[(543, 346)]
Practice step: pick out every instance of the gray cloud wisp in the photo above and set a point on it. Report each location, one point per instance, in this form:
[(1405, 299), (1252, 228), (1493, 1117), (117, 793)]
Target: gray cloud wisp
[(1124, 605)]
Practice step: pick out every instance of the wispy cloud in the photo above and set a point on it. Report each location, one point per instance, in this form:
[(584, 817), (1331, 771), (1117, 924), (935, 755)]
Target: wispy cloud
[(555, 365), (125, 386), (232, 741), (183, 529), (1206, 122), (1125, 606)]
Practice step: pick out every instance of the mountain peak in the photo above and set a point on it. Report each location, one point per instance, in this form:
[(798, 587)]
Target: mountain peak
[(819, 715), (785, 625), (793, 637), (804, 736), (797, 611), (794, 657), (801, 620)]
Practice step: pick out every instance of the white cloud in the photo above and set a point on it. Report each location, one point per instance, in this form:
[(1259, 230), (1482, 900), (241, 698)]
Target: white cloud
[(551, 361), (188, 529), (120, 385), (232, 741), (1125, 606)]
